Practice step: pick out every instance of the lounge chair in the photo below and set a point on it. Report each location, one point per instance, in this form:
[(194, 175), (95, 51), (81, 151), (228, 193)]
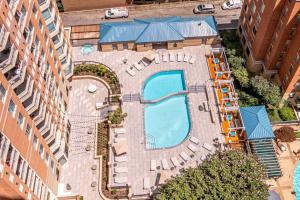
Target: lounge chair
[(99, 105), (207, 147), (192, 60), (121, 180), (120, 130), (121, 158), (184, 156), (165, 164), (203, 157), (138, 66), (186, 57), (172, 57), (157, 61), (179, 57), (165, 57), (175, 162), (146, 183), (130, 71), (192, 148), (121, 169), (194, 140), (152, 165)]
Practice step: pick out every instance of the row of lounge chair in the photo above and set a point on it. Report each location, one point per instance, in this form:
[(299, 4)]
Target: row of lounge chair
[(183, 155), (181, 57)]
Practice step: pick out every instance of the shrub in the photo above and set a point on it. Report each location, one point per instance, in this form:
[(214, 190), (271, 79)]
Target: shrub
[(246, 99), (225, 175), (286, 113), (274, 115), (116, 117), (241, 75), (285, 134)]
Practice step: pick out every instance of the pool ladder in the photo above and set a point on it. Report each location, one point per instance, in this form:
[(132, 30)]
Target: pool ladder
[(150, 142)]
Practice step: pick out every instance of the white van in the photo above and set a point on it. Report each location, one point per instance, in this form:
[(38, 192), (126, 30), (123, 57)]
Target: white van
[(231, 4), (116, 13)]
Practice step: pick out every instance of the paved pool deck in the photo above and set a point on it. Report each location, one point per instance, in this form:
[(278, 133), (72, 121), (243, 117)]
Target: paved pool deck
[(202, 126)]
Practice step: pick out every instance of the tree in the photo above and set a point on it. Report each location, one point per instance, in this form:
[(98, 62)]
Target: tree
[(241, 75), (269, 91), (286, 113), (246, 99), (285, 134), (225, 175)]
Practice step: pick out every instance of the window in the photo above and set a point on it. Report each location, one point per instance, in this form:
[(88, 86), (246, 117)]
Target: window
[(250, 19), (35, 142), (12, 107), (258, 19), (20, 120), (254, 30), (2, 93), (46, 14), (34, 9), (46, 37), (247, 51), (60, 50), (41, 151), (40, 25), (28, 130), (246, 8), (262, 8), (51, 27), (253, 8), (55, 39), (47, 159)]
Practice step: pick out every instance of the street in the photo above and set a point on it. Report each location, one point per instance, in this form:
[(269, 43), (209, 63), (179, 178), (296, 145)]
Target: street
[(225, 18)]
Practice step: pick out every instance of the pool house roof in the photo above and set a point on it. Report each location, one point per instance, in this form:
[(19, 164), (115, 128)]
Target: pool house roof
[(158, 29), (257, 123)]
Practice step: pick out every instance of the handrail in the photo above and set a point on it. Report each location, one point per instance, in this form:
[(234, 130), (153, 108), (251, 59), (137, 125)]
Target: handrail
[(144, 101)]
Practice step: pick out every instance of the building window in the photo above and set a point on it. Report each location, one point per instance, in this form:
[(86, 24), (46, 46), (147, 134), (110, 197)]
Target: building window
[(2, 93), (253, 8), (247, 51), (28, 131), (51, 27), (254, 30), (40, 25), (34, 9), (46, 14), (12, 108), (270, 49), (262, 7), (47, 159), (258, 19), (244, 40), (55, 39), (20, 120), (41, 151), (246, 8), (35, 142), (250, 19)]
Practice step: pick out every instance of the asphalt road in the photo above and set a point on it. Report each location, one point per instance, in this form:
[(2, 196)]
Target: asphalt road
[(225, 18)]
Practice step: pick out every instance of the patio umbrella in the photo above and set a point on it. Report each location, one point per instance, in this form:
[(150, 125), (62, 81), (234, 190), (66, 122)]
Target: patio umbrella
[(120, 147)]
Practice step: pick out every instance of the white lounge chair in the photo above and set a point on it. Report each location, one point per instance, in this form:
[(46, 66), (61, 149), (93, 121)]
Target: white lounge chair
[(165, 57), (120, 130), (121, 158), (172, 57), (121, 180), (146, 183), (157, 61), (203, 157), (194, 140), (130, 71), (179, 57), (207, 147), (184, 156), (186, 57), (192, 60), (152, 165), (121, 169), (175, 162), (99, 105), (165, 164), (138, 66), (192, 148)]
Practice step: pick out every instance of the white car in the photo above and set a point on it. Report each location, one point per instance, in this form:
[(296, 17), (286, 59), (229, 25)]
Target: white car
[(114, 13), (204, 9), (231, 4)]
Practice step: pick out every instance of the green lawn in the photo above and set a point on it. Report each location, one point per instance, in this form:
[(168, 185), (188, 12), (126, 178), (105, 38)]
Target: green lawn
[(297, 134)]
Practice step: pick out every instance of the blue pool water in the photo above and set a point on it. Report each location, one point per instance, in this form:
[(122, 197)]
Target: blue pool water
[(86, 49), (163, 83), (167, 123), (297, 181)]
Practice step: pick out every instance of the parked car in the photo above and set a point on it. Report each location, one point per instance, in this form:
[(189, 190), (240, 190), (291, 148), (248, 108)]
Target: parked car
[(114, 13), (232, 4), (204, 8)]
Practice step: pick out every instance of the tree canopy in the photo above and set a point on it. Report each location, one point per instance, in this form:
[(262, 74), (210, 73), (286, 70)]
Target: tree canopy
[(225, 175)]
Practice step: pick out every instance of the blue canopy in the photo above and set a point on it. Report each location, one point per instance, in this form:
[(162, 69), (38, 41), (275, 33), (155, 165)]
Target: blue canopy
[(158, 29), (257, 123)]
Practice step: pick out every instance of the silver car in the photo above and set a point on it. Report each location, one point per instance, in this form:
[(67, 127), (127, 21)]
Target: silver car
[(204, 9)]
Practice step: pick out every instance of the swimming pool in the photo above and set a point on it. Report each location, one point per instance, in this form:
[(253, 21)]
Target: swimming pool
[(297, 181), (86, 49), (167, 122)]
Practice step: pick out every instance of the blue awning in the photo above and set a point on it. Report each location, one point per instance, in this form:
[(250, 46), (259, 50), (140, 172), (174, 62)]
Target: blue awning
[(257, 123)]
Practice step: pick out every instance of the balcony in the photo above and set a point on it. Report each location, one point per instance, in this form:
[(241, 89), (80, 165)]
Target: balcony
[(18, 75), (62, 153), (4, 35), (45, 125), (32, 103), (50, 136), (39, 115), (24, 91), (8, 58)]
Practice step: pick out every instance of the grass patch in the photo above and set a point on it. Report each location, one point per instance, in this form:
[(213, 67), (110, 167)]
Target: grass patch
[(297, 134)]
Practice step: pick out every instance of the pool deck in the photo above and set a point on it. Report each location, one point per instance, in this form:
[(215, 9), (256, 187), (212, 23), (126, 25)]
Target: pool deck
[(201, 124)]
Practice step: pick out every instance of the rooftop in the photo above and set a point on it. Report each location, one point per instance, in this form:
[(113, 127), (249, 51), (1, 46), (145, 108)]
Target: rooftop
[(158, 29)]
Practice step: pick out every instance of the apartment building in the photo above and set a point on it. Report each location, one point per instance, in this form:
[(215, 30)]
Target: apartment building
[(270, 35), (35, 64)]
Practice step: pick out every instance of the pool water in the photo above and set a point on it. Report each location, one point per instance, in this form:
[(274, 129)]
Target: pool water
[(86, 49), (297, 181), (163, 83), (167, 123)]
